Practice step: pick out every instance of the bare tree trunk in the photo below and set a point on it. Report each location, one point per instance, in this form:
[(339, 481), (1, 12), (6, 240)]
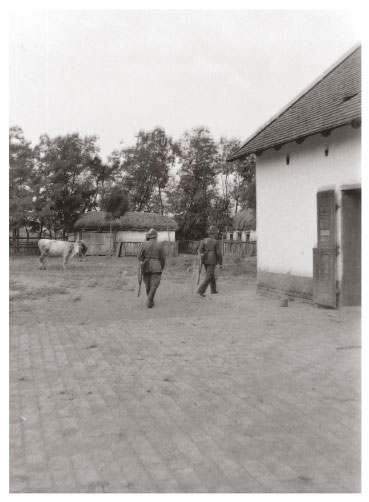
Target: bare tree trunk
[(161, 202), (188, 209)]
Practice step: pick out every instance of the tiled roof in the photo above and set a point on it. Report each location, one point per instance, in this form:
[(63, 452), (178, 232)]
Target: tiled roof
[(332, 101)]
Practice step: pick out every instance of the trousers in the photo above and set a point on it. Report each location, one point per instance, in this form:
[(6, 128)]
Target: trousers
[(152, 282), (209, 279)]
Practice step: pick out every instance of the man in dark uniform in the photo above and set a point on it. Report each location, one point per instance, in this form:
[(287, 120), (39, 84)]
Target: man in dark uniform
[(210, 255), (152, 261)]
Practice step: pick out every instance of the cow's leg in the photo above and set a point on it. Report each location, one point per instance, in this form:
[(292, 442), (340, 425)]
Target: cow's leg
[(66, 258), (42, 261)]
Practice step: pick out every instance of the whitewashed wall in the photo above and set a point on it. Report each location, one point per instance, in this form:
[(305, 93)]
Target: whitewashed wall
[(286, 197), (252, 235), (235, 237), (134, 236)]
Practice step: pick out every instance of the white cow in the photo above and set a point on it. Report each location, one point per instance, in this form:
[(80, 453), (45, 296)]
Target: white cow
[(64, 249)]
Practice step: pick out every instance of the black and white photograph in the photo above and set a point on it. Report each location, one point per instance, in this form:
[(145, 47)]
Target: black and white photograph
[(185, 248)]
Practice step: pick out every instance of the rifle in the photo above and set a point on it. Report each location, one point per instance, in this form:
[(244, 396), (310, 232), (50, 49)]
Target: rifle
[(139, 279)]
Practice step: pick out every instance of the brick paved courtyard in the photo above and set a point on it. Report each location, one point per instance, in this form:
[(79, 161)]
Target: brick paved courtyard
[(228, 394)]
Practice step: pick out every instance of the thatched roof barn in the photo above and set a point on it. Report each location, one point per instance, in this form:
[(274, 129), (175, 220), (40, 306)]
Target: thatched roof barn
[(245, 220), (130, 229), (134, 221)]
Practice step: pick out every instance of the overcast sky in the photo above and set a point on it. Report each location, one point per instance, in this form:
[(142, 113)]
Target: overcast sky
[(111, 73)]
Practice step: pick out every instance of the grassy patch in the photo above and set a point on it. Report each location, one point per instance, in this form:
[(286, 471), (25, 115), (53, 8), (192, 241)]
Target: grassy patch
[(15, 286), (232, 265), (235, 265), (181, 264), (37, 293)]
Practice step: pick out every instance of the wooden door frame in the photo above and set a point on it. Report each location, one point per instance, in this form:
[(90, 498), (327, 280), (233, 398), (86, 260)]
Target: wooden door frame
[(349, 295), (325, 254)]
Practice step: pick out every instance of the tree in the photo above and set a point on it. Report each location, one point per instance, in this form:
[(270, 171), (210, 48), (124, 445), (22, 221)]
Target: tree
[(244, 186), (65, 188), (115, 203), (20, 180), (220, 212), (226, 169), (191, 199), (225, 204), (100, 175), (237, 178), (145, 167)]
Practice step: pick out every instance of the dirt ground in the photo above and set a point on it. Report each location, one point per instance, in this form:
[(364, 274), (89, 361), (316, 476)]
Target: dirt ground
[(228, 393), (101, 290), (104, 289)]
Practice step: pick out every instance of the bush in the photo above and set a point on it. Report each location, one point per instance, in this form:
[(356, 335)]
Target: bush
[(236, 265)]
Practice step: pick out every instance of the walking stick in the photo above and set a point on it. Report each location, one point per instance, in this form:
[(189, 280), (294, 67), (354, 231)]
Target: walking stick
[(200, 266), (139, 279)]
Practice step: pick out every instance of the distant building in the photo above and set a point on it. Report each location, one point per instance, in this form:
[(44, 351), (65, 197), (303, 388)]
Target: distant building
[(244, 226), (94, 228), (308, 190)]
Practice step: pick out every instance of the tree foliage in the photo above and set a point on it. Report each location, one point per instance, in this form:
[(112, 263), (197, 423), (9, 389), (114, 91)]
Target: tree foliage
[(244, 187), (20, 178), (65, 186), (59, 179), (145, 167), (115, 202), (191, 199)]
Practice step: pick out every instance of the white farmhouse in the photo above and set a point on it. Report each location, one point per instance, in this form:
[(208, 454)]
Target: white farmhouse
[(308, 190)]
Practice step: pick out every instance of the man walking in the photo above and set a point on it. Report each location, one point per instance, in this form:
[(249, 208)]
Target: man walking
[(210, 255), (152, 261)]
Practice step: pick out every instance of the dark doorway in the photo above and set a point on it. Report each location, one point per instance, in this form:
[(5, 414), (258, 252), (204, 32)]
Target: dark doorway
[(351, 248)]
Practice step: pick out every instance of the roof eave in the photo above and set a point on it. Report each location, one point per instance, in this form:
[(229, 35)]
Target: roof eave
[(245, 153)]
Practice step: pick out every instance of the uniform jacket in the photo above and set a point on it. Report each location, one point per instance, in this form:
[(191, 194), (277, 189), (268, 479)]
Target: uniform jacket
[(153, 252), (210, 251)]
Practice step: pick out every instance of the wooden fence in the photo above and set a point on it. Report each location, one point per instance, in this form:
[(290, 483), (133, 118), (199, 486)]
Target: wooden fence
[(170, 248), (29, 246), (132, 248), (239, 248), (188, 247), (235, 248), (24, 246)]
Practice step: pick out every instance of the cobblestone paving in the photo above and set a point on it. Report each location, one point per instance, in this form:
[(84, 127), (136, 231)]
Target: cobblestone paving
[(256, 404)]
